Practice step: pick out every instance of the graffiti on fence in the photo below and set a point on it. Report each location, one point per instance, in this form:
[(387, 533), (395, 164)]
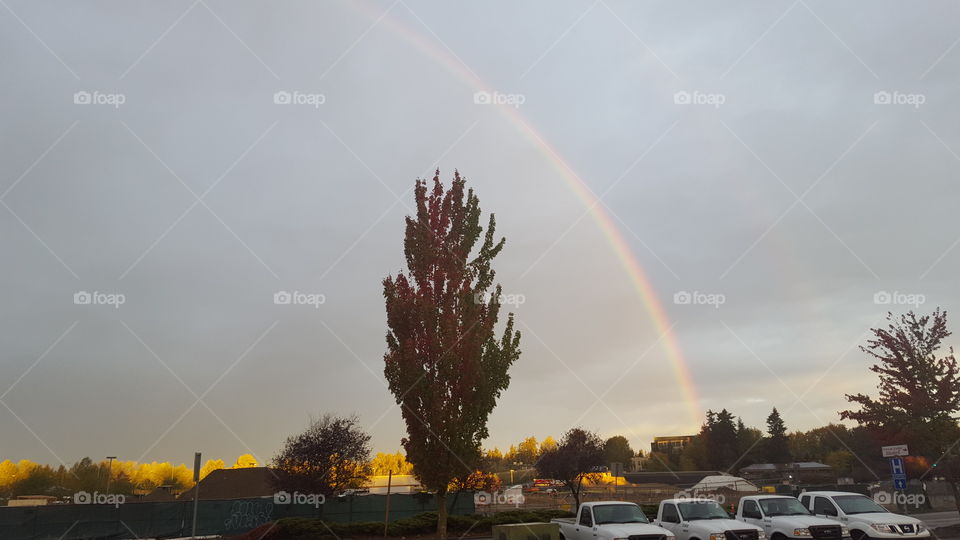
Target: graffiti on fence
[(248, 515)]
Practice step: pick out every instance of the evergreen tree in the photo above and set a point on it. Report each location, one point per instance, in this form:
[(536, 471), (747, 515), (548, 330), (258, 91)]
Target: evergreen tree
[(776, 446)]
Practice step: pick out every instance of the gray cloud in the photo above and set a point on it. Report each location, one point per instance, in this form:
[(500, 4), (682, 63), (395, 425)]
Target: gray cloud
[(304, 198)]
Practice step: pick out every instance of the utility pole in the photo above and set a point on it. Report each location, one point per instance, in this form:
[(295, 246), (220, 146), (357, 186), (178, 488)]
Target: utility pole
[(110, 471), (196, 492), (386, 515)]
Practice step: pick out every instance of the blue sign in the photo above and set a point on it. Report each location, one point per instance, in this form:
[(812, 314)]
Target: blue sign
[(899, 471)]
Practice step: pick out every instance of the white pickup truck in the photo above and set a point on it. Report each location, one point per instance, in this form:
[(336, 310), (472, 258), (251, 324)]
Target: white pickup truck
[(703, 519), (865, 518), (785, 517), (610, 520)]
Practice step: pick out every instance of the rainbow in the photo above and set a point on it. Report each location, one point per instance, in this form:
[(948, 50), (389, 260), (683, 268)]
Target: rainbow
[(436, 50)]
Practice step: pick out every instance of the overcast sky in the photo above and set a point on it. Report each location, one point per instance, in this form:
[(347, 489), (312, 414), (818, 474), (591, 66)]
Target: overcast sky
[(794, 163)]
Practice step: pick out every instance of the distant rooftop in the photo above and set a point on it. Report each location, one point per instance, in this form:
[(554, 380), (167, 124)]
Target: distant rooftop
[(764, 467)]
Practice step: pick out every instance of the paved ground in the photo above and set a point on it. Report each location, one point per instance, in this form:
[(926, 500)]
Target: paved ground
[(940, 519), (932, 519)]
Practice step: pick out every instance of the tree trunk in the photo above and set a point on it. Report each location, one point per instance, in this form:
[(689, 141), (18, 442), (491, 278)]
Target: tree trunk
[(442, 515)]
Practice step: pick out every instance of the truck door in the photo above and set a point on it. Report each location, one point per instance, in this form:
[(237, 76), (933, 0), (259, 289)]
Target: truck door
[(584, 527), (670, 520), (824, 507), (751, 514)]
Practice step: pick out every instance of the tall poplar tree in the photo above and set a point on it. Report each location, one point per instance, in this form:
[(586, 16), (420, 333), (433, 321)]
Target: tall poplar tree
[(444, 364)]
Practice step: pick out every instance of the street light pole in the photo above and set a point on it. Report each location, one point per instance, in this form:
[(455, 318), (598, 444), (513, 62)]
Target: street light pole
[(109, 470)]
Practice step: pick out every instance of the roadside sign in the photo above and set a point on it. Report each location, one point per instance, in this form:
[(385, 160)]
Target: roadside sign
[(616, 469), (895, 450), (899, 471)]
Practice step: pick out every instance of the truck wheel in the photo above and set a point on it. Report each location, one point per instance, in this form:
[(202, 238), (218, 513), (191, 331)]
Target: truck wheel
[(562, 537), (859, 535), (778, 536)]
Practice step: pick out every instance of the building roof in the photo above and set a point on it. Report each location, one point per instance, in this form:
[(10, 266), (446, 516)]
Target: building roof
[(674, 478), (769, 467), (236, 484), (758, 467), (734, 483)]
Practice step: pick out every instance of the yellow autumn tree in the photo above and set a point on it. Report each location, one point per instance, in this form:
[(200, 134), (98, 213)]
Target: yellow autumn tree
[(528, 451), (8, 474), (383, 463), (548, 444), (245, 461), (210, 466)]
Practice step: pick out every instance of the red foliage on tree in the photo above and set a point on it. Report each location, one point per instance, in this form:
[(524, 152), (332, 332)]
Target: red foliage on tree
[(444, 364)]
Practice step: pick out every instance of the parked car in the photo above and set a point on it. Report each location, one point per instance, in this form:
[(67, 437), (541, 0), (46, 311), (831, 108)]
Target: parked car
[(785, 517), (703, 519), (610, 520), (865, 518)]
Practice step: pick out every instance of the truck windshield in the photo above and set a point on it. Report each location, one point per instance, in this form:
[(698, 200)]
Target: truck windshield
[(702, 510), (858, 504), (783, 506), (618, 513)]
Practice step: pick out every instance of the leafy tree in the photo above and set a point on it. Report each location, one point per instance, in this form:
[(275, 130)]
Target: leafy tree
[(776, 446), (511, 456), (528, 451), (245, 461), (617, 449), (815, 444), (748, 445), (383, 464), (693, 457), (578, 457), (210, 466), (547, 444), (492, 460), (476, 481), (328, 457), (841, 461), (444, 364), (919, 390), (662, 462)]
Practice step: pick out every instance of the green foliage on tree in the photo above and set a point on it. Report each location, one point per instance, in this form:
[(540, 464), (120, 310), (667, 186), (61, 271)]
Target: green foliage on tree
[(617, 449), (719, 435), (776, 446), (444, 364)]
